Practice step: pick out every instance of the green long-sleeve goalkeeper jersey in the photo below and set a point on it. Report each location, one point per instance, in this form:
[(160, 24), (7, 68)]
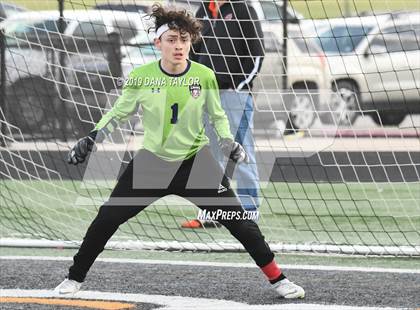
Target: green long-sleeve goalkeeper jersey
[(173, 107)]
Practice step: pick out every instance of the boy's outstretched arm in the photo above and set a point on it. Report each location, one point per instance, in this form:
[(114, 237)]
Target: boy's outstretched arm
[(125, 106)]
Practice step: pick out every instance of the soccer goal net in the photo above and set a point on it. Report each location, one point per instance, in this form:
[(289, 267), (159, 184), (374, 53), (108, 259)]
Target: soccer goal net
[(336, 123)]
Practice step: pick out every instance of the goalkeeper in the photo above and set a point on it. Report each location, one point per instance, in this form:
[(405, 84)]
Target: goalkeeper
[(176, 158)]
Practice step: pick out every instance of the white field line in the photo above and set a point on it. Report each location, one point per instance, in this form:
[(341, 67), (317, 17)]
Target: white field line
[(218, 264), (178, 302)]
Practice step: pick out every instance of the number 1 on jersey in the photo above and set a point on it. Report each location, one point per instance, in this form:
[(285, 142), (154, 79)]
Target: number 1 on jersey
[(174, 118)]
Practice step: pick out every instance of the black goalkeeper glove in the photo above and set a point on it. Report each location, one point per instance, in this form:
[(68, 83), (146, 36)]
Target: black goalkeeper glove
[(81, 149), (233, 150)]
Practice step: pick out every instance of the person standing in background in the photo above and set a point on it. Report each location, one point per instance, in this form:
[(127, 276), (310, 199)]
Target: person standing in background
[(232, 45)]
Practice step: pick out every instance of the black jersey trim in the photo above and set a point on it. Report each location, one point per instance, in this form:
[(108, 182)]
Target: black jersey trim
[(178, 74)]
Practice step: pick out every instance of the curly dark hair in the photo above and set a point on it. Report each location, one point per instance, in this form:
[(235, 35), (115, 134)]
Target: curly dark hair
[(177, 19)]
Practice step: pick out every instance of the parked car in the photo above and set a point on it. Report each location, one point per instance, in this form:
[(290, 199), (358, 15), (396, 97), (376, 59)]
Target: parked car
[(308, 80), (86, 34), (375, 65), (34, 70)]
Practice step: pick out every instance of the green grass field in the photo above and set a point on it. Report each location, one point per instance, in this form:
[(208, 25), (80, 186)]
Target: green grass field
[(308, 8), (362, 214)]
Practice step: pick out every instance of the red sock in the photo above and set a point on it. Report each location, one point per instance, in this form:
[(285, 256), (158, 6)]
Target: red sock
[(272, 271)]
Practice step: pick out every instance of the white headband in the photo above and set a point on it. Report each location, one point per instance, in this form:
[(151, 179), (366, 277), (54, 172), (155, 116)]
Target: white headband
[(161, 30)]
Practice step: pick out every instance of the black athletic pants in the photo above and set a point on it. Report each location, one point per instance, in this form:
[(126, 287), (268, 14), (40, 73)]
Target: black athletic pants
[(196, 179)]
